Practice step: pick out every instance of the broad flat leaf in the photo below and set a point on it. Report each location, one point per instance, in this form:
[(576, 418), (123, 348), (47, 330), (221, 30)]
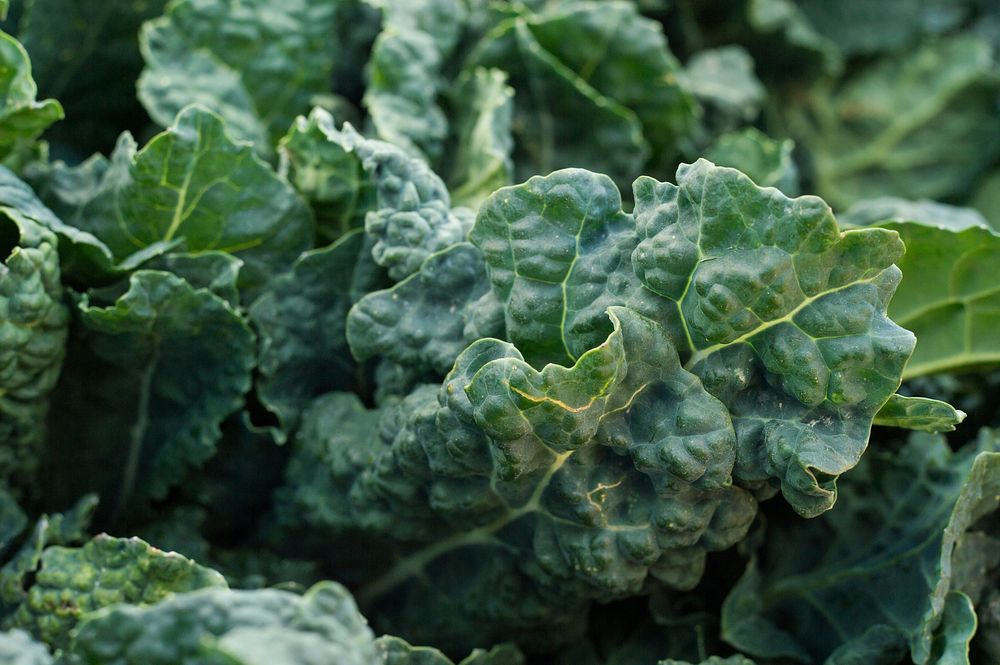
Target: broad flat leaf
[(948, 296), (413, 217), (72, 582), (301, 318), (768, 162), (260, 627), (19, 648), (85, 53), (426, 320), (405, 73), (482, 137), (919, 413), (958, 625), (214, 271), (256, 65), (194, 185), (882, 556), (723, 80), (860, 27), (326, 171), (34, 326), (921, 125), (22, 117), (150, 379), (871, 212), (634, 482), (741, 277)]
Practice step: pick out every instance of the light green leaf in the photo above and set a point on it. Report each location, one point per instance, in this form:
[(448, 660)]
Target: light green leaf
[(948, 296), (72, 582), (260, 627), (254, 64), (426, 320), (194, 185), (34, 326), (22, 117), (173, 361), (766, 161), (18, 647), (986, 198), (958, 625), (886, 557), (919, 413), (301, 318), (921, 125), (482, 137), (326, 171)]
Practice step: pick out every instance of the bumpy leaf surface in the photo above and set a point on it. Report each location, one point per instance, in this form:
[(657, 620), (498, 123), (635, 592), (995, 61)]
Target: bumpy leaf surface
[(394, 651), (768, 162), (889, 541), (780, 314), (254, 64), (72, 582), (34, 324)]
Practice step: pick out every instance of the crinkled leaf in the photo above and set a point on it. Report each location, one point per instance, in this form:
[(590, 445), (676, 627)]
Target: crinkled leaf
[(72, 582), (150, 379), (301, 318), (882, 556), (394, 651), (919, 413), (780, 313), (917, 126), (426, 320), (256, 65), (482, 138), (326, 171), (260, 627), (34, 326), (634, 481), (194, 184), (22, 116), (405, 73), (767, 161)]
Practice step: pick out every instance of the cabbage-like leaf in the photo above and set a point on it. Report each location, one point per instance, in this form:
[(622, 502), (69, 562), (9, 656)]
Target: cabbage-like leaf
[(34, 326), (870, 212), (426, 320), (326, 171), (779, 313), (986, 198), (72, 582), (150, 378), (723, 80), (253, 64), (919, 413), (195, 186), (394, 651), (22, 116), (302, 318), (921, 125), (883, 556)]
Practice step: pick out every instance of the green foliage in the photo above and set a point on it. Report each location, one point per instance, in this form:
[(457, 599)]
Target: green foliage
[(344, 311)]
